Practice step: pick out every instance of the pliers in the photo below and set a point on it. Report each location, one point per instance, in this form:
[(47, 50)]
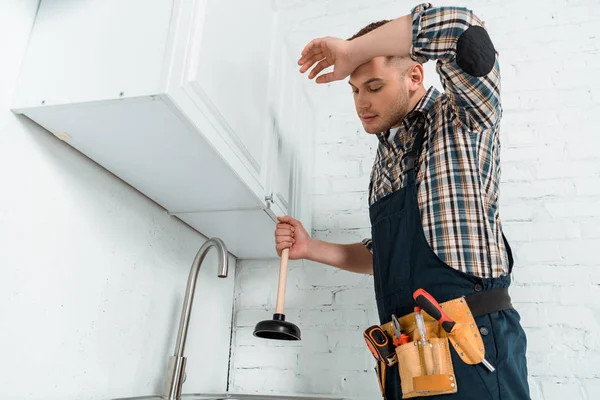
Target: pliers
[(399, 337)]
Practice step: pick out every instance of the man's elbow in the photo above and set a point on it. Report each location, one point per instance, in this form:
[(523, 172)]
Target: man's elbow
[(475, 51)]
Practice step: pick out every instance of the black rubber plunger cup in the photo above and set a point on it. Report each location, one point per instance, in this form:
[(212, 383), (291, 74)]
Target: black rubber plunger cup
[(278, 328)]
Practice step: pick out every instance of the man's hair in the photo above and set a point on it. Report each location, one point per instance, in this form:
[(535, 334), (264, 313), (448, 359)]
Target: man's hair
[(369, 28)]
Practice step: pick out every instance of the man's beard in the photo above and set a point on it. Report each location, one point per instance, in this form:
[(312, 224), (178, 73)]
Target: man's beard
[(394, 116)]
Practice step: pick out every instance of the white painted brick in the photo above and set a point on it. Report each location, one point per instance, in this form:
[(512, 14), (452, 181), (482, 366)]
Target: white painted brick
[(588, 186), (316, 340), (354, 297), (574, 295), (350, 316), (577, 252), (532, 293), (339, 317), (549, 200), (579, 208), (263, 381), (311, 298), (544, 274), (535, 388), (583, 364), (337, 130), (255, 286), (338, 202), (345, 339), (344, 237), (518, 171), (531, 315), (352, 385), (595, 276), (321, 382), (338, 360), (577, 151), (538, 252), (592, 389), (566, 339), (362, 384), (544, 99), (358, 184), (518, 212), (321, 221), (572, 316), (337, 168), (590, 228), (526, 120), (561, 391), (322, 185), (243, 336), (537, 230), (536, 189), (362, 149), (275, 357), (351, 220), (312, 339), (541, 364), (315, 275), (538, 340), (552, 151), (249, 317), (567, 169)]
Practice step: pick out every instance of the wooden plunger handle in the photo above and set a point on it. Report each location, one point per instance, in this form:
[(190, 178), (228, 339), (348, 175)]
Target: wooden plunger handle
[(283, 267)]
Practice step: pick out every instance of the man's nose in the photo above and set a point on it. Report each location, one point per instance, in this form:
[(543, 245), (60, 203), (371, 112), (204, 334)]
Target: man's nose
[(362, 103)]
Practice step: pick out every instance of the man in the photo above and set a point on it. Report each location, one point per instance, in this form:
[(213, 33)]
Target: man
[(433, 193)]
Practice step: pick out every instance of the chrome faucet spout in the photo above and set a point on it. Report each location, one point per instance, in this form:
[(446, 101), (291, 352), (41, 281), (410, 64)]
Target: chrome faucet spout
[(176, 369)]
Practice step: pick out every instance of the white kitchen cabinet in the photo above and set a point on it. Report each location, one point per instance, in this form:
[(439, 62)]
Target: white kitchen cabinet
[(196, 103)]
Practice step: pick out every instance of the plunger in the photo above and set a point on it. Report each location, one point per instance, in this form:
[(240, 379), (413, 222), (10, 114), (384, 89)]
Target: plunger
[(278, 328)]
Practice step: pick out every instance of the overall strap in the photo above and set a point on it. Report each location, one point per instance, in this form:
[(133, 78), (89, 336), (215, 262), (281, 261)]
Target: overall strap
[(412, 156)]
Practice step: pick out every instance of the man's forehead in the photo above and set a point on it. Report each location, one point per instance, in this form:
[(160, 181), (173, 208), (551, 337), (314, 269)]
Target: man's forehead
[(367, 72), (361, 81)]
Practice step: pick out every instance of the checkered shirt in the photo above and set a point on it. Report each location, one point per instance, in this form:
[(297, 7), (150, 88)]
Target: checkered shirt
[(459, 167)]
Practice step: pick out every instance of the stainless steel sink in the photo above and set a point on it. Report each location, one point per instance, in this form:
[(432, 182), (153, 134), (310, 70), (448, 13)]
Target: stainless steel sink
[(233, 396), (176, 368)]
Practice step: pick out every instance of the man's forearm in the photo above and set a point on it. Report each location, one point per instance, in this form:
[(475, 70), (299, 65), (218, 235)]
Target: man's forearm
[(350, 257), (391, 39)]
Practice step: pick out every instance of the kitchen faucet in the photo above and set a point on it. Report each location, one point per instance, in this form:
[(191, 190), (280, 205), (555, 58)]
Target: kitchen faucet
[(176, 368)]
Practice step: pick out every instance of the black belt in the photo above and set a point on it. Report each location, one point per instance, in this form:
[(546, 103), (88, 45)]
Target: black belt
[(489, 301)]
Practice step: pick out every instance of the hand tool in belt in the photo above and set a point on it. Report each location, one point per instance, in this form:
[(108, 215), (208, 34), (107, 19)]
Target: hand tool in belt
[(432, 307), (380, 344), (382, 349), (399, 337)]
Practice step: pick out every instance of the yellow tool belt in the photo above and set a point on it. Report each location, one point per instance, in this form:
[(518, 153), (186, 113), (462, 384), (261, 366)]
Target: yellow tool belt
[(427, 369)]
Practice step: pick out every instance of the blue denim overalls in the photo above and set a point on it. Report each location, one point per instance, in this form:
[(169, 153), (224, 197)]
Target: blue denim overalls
[(403, 262)]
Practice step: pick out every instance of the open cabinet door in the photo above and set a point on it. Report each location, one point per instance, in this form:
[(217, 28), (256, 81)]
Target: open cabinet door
[(283, 131)]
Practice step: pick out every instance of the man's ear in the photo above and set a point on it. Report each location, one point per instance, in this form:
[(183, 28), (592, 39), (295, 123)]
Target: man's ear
[(415, 76)]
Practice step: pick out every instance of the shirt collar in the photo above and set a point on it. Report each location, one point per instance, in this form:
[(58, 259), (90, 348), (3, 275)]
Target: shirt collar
[(421, 108)]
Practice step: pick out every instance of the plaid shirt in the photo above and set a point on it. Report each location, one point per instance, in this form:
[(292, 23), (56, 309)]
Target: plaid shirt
[(459, 168)]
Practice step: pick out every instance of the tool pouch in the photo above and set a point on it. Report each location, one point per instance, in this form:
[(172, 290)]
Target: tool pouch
[(427, 369), (464, 337)]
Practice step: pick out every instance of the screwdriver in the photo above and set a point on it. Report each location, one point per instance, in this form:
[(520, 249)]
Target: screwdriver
[(421, 325)]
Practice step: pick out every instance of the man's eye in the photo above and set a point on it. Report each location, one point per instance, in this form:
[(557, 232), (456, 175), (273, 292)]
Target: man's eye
[(355, 91), (376, 89)]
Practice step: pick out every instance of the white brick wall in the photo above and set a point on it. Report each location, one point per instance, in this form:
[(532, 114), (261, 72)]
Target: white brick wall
[(550, 57)]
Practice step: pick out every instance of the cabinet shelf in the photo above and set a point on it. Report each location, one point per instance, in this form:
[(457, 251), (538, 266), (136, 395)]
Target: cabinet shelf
[(196, 104)]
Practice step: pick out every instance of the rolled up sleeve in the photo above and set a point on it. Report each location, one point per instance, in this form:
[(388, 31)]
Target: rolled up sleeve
[(368, 243), (467, 62)]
